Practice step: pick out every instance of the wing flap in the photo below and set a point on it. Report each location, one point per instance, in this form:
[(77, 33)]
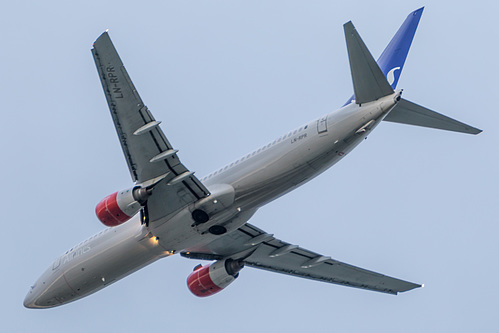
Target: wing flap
[(310, 265), (281, 257), (141, 137)]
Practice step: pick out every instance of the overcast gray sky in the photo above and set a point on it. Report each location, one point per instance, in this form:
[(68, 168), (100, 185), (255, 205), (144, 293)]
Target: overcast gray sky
[(226, 77)]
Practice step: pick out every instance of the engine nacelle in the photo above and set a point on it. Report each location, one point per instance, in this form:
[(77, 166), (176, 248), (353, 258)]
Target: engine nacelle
[(210, 279), (119, 207)]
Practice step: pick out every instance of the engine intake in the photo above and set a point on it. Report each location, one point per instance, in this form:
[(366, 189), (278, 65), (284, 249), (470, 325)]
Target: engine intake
[(121, 206), (210, 279)]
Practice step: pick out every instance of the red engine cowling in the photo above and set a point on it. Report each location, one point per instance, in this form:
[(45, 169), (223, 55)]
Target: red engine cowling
[(210, 279), (119, 207)]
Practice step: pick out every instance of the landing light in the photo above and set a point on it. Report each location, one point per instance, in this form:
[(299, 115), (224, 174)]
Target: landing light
[(154, 240)]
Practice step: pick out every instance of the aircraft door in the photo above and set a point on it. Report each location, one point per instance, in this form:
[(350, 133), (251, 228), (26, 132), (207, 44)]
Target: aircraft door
[(322, 125)]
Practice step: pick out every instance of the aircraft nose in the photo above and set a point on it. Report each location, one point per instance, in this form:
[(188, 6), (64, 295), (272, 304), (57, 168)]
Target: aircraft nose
[(29, 300), (48, 293), (35, 297)]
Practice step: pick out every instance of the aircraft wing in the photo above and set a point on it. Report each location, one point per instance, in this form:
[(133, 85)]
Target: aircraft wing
[(149, 154), (261, 250)]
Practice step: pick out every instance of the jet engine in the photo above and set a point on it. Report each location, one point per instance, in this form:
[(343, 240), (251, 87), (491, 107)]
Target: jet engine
[(121, 206), (210, 279)]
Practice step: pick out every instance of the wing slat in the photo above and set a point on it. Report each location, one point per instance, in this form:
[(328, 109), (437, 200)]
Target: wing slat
[(281, 257), (141, 137)]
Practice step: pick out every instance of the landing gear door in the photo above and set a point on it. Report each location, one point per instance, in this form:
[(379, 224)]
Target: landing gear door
[(322, 125)]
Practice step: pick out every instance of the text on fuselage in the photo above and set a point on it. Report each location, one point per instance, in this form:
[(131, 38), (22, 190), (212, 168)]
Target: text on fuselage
[(303, 136), (70, 256)]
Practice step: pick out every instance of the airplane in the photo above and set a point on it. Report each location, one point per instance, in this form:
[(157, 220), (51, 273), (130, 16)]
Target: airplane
[(168, 210)]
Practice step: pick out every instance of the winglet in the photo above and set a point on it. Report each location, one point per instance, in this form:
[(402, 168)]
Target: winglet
[(369, 82)]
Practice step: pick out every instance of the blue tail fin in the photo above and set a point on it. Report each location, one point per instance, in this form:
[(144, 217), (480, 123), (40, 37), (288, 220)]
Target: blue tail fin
[(393, 57)]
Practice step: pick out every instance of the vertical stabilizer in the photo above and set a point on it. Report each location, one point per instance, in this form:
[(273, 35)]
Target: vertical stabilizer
[(369, 82), (393, 58)]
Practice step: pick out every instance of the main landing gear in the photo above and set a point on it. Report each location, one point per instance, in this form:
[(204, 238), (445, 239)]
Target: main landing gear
[(200, 216)]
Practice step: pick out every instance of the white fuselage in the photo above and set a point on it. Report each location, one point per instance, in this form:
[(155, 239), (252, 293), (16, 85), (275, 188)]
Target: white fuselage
[(256, 179)]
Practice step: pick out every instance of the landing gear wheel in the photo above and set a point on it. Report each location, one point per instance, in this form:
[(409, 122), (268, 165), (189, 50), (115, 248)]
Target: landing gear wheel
[(199, 216), (217, 230)]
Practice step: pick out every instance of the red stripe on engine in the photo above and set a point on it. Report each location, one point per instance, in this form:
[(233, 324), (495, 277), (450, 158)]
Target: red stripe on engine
[(109, 212), (201, 284)]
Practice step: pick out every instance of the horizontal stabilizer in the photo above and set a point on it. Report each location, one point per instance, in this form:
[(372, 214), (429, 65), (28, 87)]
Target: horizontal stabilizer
[(369, 82), (406, 112)]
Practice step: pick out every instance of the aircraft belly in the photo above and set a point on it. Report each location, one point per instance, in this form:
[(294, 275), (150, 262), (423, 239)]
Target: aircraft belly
[(270, 187), (270, 177), (76, 274), (300, 166), (180, 232), (276, 178), (111, 265)]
